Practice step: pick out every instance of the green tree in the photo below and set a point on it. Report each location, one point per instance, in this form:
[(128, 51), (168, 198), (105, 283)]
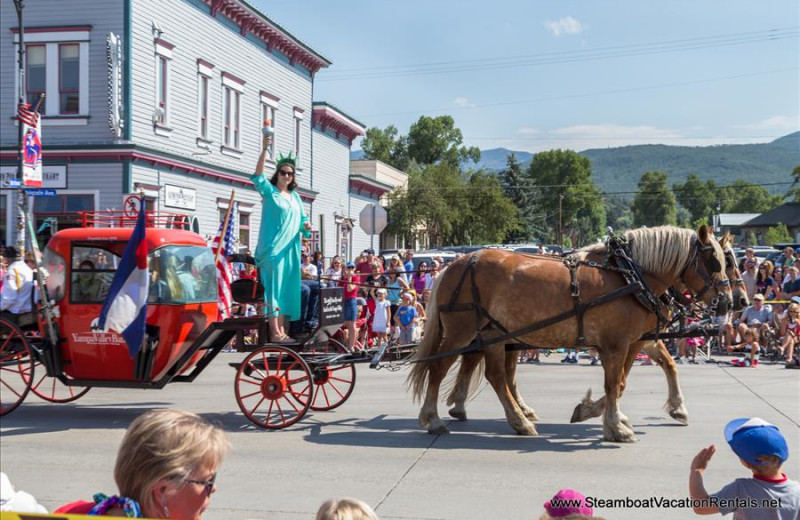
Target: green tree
[(654, 203), (386, 146), (698, 197), (432, 140), (519, 190), (794, 190), (744, 197), (490, 214), (618, 213), (777, 234), (568, 192)]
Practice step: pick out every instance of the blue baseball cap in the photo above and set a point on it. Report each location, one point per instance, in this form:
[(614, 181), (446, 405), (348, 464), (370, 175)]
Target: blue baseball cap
[(349, 264), (750, 438)]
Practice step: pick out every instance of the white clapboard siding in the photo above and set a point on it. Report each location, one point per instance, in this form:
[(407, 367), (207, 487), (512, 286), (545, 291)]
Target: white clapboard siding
[(210, 39), (331, 173)]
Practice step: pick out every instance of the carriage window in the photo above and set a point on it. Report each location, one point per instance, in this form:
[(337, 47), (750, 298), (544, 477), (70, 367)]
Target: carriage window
[(92, 273), (57, 274), (182, 274)]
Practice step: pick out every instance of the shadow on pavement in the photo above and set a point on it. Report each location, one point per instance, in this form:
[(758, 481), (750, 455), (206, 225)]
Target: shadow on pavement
[(475, 434)]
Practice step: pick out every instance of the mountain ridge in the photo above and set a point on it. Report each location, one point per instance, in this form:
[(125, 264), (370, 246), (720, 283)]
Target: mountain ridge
[(621, 167)]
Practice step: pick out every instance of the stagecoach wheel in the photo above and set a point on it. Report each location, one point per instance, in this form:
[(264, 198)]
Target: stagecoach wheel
[(274, 387), (333, 384), (16, 367), (52, 389)]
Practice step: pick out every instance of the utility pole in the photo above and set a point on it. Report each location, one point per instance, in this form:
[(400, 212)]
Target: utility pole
[(22, 205), (560, 237)]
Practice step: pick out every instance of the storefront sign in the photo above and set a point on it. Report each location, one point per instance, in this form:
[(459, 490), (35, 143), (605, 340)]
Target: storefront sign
[(53, 177), (177, 197)]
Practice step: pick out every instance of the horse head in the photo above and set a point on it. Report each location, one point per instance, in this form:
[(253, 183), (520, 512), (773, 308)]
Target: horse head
[(740, 299), (704, 273)]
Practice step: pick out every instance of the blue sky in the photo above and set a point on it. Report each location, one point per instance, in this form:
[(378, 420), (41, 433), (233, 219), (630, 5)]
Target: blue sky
[(576, 74)]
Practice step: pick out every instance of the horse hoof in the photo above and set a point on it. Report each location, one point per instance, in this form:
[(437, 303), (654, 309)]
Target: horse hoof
[(439, 430), (461, 415), (682, 416), (577, 414), (527, 430), (621, 434)]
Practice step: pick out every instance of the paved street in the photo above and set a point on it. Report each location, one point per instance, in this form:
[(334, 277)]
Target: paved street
[(372, 448)]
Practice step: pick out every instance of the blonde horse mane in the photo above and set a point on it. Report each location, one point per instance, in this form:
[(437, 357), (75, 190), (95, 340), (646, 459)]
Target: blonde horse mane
[(661, 250)]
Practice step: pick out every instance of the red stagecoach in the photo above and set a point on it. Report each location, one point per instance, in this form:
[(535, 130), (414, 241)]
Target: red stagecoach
[(275, 385)]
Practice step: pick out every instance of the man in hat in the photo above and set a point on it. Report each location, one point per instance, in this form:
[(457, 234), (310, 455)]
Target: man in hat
[(757, 316), (762, 449), (16, 296)]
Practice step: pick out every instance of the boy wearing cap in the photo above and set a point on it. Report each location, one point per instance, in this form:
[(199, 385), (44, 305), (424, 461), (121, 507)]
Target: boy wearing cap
[(769, 494), (406, 319)]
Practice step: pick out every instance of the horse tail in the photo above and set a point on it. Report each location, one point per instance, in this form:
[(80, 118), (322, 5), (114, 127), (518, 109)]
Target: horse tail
[(449, 387), (417, 380)]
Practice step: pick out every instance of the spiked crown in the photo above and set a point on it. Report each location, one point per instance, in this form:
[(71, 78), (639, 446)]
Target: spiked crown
[(289, 159)]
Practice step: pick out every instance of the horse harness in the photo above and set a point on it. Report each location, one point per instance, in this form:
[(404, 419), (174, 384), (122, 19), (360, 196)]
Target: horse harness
[(618, 259)]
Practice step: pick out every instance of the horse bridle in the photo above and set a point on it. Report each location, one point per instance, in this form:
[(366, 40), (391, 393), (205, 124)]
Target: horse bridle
[(730, 264), (712, 266)]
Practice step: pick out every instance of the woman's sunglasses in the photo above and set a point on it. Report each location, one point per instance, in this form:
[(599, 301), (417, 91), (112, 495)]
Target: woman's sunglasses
[(207, 484), (286, 173)]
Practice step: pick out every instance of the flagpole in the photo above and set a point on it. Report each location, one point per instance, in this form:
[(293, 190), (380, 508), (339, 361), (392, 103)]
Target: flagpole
[(224, 227), (21, 202)]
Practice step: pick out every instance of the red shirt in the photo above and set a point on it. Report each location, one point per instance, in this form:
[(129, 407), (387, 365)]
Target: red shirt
[(349, 295)]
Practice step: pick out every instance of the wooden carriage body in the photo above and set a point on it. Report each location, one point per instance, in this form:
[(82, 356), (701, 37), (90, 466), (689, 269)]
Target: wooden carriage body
[(182, 301)]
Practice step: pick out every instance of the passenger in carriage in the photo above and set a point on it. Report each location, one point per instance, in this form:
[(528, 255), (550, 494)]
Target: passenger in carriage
[(166, 468), (88, 286)]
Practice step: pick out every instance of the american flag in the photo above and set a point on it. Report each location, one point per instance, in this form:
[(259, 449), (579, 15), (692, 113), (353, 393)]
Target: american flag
[(28, 116), (224, 275)]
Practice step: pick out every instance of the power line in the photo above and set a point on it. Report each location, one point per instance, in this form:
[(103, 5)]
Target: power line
[(593, 137), (575, 56), (495, 59), (587, 94)]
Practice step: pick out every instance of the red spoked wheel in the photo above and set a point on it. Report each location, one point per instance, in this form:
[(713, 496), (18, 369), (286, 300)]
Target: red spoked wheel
[(52, 389), (274, 387), (16, 367), (333, 384)]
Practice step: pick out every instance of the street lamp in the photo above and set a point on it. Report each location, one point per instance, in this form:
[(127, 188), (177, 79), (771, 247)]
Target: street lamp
[(21, 202)]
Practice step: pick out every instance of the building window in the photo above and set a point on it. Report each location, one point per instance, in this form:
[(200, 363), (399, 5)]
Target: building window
[(36, 75), (205, 71), (231, 104), (69, 78), (296, 147), (268, 113), (162, 87), (57, 65), (244, 231), (203, 105)]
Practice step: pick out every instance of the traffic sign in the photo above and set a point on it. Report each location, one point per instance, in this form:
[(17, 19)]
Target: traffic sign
[(372, 219), (41, 192)]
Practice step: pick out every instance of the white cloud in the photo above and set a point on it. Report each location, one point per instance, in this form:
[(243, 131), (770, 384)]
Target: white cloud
[(566, 25), (528, 130), (778, 123), (462, 102), (616, 132)]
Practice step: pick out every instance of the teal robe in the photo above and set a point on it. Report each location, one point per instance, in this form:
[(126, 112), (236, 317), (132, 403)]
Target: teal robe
[(278, 252)]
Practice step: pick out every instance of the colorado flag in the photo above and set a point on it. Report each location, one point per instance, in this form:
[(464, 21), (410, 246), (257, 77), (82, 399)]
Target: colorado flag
[(125, 308)]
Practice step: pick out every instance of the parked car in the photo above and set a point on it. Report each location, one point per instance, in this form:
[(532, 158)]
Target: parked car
[(429, 256)]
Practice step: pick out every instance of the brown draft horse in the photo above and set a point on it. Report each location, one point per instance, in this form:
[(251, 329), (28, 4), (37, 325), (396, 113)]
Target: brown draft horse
[(518, 291), (658, 352), (587, 409)]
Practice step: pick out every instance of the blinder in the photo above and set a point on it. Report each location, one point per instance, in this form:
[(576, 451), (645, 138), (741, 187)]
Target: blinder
[(711, 267)]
